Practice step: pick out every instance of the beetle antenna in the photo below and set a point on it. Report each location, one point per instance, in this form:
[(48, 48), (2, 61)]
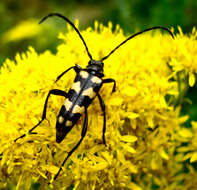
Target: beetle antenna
[(67, 20), (134, 35)]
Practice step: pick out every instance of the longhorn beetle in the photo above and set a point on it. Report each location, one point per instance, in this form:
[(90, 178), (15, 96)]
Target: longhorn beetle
[(85, 88)]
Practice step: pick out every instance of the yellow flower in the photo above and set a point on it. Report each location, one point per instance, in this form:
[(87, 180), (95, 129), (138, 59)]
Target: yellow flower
[(143, 128), (25, 29)]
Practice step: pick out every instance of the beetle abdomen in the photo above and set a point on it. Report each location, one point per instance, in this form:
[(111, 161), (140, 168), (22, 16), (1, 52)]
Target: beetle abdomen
[(80, 96)]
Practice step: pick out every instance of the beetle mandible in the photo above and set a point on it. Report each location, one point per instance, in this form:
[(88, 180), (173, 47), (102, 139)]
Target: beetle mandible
[(85, 88)]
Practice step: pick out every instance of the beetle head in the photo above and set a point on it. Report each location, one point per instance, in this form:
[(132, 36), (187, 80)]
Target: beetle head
[(95, 67)]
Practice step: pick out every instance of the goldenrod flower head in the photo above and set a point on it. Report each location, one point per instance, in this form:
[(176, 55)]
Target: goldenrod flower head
[(143, 128)]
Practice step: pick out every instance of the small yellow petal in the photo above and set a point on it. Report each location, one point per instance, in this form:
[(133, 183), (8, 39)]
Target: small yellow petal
[(53, 169), (186, 133), (191, 79), (129, 148), (132, 168), (163, 154), (194, 157), (132, 115), (128, 138), (134, 186), (42, 173), (188, 156)]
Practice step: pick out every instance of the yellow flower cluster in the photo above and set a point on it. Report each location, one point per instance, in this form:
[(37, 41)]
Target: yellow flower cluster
[(24, 30), (145, 133)]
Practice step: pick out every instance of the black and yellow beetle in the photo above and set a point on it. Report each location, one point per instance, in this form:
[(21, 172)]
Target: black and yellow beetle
[(85, 88)]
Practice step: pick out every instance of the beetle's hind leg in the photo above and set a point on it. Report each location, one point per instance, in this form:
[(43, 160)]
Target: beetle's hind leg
[(83, 133), (102, 104), (54, 92)]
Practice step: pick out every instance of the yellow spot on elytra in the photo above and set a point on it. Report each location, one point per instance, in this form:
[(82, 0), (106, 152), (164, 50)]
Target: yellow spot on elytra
[(60, 119), (76, 86), (84, 74), (67, 104), (69, 123), (78, 109), (96, 80), (89, 92)]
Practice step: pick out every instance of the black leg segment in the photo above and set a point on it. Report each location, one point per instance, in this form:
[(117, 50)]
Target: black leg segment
[(83, 133), (77, 68), (110, 80), (102, 104), (54, 92)]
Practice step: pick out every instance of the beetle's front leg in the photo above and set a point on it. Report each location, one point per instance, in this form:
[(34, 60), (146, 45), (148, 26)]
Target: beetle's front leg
[(77, 68), (110, 80), (54, 92)]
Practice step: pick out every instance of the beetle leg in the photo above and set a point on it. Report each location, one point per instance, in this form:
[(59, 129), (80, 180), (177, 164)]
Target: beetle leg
[(83, 133), (54, 92), (110, 80), (102, 104), (77, 68)]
